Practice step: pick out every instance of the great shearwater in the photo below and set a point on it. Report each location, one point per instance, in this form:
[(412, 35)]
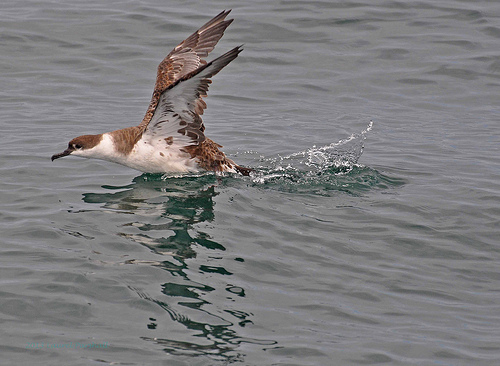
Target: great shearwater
[(171, 136)]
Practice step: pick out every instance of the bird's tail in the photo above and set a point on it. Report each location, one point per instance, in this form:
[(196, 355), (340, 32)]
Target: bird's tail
[(243, 171)]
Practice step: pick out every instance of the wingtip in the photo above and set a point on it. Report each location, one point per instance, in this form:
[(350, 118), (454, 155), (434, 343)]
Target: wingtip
[(233, 53), (221, 17), (219, 21), (236, 49)]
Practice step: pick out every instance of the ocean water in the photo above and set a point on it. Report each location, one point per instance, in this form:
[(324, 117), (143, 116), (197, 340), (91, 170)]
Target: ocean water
[(369, 233)]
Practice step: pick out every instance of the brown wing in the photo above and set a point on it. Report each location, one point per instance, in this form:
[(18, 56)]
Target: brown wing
[(176, 118), (185, 58)]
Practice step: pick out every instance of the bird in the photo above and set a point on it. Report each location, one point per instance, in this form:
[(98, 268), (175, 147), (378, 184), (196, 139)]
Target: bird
[(171, 137)]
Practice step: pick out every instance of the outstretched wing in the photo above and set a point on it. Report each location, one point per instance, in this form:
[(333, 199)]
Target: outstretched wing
[(176, 119), (184, 59)]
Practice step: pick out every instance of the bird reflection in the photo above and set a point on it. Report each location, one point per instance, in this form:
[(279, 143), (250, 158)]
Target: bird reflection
[(165, 214), (164, 205)]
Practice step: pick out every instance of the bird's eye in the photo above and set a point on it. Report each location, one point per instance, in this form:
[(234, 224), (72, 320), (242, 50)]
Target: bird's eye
[(77, 146)]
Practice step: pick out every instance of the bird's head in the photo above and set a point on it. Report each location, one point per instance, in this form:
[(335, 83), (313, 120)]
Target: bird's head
[(80, 146)]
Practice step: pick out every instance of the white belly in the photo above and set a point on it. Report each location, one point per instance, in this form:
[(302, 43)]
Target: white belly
[(151, 158)]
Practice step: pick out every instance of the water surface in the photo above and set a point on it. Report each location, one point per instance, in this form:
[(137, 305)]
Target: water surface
[(354, 242)]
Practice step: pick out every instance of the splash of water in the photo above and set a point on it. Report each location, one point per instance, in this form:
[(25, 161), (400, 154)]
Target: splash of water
[(319, 171), (339, 158)]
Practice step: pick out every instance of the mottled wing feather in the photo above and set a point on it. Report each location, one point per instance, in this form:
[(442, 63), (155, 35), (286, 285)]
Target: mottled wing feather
[(185, 59), (176, 115)]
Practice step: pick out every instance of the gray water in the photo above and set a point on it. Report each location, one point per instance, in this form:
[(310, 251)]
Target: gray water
[(323, 257)]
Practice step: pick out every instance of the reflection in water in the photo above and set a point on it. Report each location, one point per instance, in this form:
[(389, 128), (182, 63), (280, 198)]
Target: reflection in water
[(168, 205), (165, 213)]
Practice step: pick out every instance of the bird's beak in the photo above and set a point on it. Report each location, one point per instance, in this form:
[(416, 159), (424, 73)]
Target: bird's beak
[(63, 154)]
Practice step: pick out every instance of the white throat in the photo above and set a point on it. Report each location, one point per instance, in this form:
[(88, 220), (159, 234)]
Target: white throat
[(104, 150)]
